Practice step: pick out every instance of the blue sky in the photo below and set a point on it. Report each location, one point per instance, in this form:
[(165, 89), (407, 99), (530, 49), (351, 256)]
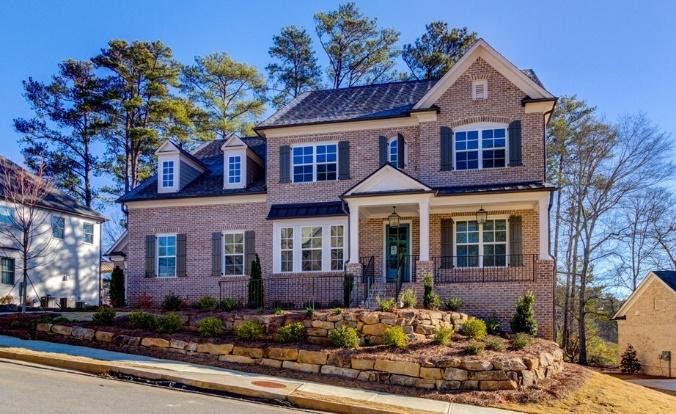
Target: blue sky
[(618, 55)]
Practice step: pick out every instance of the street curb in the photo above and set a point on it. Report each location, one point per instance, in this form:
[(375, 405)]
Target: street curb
[(300, 399)]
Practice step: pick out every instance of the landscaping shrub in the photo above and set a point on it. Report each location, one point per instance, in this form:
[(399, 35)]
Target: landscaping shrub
[(145, 301), (521, 341), (474, 348), (169, 323), (630, 363), (443, 336), (142, 320), (104, 316), (386, 305), (59, 319), (409, 298), (278, 311), (524, 318), (255, 290), (431, 299), (210, 326), (205, 303), (452, 304), (293, 332), (172, 302), (474, 329), (337, 311), (395, 336), (494, 344), (309, 311), (15, 324), (250, 330), (344, 337), (116, 292), (229, 304), (348, 285), (493, 325)]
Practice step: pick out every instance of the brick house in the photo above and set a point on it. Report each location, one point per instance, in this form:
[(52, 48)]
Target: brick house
[(386, 182)]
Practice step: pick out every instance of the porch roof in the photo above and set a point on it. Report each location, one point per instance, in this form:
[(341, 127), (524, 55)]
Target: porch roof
[(301, 210), (495, 188)]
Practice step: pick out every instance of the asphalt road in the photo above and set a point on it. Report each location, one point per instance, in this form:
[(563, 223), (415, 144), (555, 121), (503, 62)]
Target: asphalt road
[(37, 389)]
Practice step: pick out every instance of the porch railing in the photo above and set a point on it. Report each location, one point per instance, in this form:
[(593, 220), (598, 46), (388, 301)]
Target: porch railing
[(368, 274), (486, 268)]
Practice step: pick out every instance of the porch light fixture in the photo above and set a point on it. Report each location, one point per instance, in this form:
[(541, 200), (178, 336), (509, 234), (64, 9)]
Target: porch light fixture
[(394, 218), (481, 216)]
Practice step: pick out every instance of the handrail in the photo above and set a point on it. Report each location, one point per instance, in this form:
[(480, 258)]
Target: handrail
[(485, 268)]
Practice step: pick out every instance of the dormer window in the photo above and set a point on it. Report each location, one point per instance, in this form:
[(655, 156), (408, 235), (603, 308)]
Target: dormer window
[(234, 169), (167, 174), (479, 89)]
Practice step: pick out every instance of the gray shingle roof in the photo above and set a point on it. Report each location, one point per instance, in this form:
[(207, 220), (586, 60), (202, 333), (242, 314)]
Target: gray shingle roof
[(207, 184), (377, 101), (668, 277), (54, 200)]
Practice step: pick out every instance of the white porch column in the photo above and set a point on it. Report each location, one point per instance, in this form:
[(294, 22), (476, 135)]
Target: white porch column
[(543, 218), (424, 210), (354, 233)]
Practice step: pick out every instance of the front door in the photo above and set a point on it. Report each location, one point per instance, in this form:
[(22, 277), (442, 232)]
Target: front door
[(397, 247)]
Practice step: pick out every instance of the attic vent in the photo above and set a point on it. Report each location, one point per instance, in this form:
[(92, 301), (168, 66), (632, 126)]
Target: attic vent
[(480, 89)]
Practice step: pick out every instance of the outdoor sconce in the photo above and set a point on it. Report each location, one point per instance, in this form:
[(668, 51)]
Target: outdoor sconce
[(481, 216), (394, 218)]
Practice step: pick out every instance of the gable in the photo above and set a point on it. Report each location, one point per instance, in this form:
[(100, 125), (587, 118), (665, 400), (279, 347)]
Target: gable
[(387, 179), (642, 292)]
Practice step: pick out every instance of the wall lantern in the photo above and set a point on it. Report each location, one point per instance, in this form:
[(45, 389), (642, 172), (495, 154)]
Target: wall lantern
[(481, 216), (394, 218)]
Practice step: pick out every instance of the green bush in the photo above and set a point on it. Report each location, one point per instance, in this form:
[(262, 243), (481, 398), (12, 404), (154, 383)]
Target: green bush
[(142, 320), (229, 304), (521, 341), (337, 311), (293, 332), (344, 337), (210, 326), (452, 304), (395, 336), (15, 324), (494, 343), (116, 292), (60, 319), (169, 323), (409, 298), (309, 311), (172, 302), (386, 305), (601, 353), (443, 336), (630, 363), (431, 299), (205, 303), (474, 329), (474, 348), (524, 318), (493, 325), (104, 316), (256, 290), (250, 330)]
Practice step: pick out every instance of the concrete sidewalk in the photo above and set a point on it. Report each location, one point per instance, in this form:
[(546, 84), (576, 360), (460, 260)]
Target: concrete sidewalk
[(303, 394)]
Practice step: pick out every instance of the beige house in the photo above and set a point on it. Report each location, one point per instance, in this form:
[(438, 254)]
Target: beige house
[(647, 321)]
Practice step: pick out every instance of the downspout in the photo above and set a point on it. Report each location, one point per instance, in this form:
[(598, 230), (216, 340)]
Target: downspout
[(100, 260), (347, 213), (549, 217)]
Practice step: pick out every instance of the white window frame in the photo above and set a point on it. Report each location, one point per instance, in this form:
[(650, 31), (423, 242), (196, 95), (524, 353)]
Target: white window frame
[(13, 271), (63, 220), (165, 175), (296, 225), (333, 248), (9, 212), (481, 241), (314, 163), (484, 84), (479, 128), (395, 139), (84, 232), (283, 249), (234, 175), (157, 254), (243, 254)]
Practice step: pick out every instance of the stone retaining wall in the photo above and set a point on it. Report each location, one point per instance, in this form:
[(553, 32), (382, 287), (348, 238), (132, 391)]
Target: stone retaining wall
[(443, 374)]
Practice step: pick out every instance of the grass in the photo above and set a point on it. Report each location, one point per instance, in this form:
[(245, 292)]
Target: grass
[(602, 393)]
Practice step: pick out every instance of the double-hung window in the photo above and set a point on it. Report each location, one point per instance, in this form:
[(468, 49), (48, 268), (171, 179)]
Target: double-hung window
[(234, 169), (481, 244), (167, 174), (88, 232), (58, 227), (6, 271), (166, 256), (480, 148), (6, 215), (336, 247), (233, 252), (393, 151), (315, 163), (311, 249), (286, 249)]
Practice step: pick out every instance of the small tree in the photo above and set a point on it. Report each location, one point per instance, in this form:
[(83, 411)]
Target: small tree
[(256, 284), (630, 363), (117, 287), (431, 299), (524, 318)]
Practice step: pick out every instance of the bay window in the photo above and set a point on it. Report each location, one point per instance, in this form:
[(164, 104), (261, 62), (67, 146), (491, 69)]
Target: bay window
[(337, 247), (286, 249), (311, 248), (307, 246)]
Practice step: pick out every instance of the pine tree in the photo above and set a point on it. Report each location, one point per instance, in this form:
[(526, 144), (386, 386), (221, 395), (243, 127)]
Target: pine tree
[(117, 287), (436, 51), (524, 318), (630, 363)]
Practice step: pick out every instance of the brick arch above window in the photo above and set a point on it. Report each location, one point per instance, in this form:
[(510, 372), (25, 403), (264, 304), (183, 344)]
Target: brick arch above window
[(478, 119)]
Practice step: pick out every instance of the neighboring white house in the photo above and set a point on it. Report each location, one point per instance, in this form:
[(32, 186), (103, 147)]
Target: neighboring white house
[(69, 234)]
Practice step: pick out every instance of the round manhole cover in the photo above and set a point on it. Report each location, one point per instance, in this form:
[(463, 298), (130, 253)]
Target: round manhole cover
[(268, 384)]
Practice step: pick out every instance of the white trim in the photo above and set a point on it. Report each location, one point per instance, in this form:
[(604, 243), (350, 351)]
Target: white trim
[(198, 201), (388, 178), (479, 127), (410, 247), (223, 233), (484, 86), (640, 289), (481, 49), (481, 242), (120, 240), (314, 164), (349, 126), (389, 154), (84, 234), (157, 255)]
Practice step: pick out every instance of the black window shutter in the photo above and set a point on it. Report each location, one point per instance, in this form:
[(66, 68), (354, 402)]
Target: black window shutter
[(382, 146), (249, 250), (344, 160), (515, 143), (447, 243), (401, 148), (150, 256), (216, 253), (515, 241), (181, 255), (284, 164), (446, 144)]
